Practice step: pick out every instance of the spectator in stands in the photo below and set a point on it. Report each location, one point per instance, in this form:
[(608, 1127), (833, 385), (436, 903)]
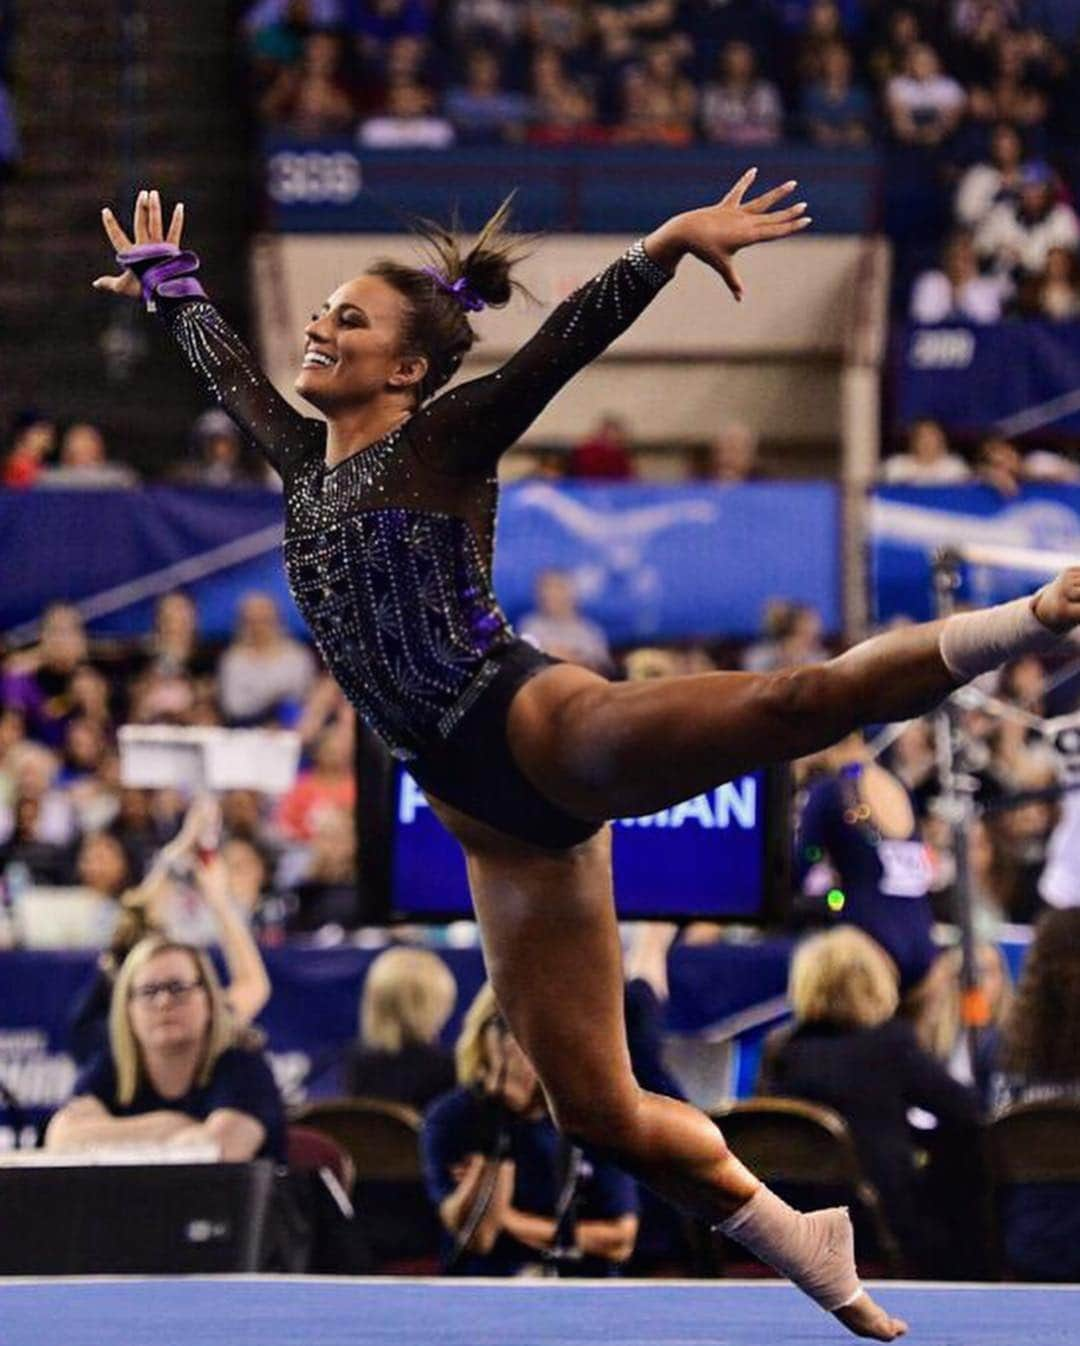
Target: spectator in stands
[(30, 771), (738, 106), (848, 1051), (313, 98), (957, 292), (924, 104), (836, 112), (489, 23), (604, 454), (499, 1172), (408, 996), (653, 101), (1009, 94), (889, 58), (998, 464), (1058, 288), (986, 185), (927, 461), (175, 1074), (936, 1012), (482, 110), (265, 674), (377, 23), (1040, 1062), (330, 782), (265, 910), (564, 109), (102, 865), (326, 890), (408, 121), (174, 645), (1016, 237), (37, 682), (731, 456), (624, 24), (557, 627), (858, 838), (217, 457), (32, 440), (84, 463), (792, 637), (25, 850), (564, 26)]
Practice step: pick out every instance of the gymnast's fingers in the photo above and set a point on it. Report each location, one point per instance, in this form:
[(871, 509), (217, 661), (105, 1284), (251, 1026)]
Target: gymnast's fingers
[(176, 224), (154, 225), (762, 203), (113, 230)]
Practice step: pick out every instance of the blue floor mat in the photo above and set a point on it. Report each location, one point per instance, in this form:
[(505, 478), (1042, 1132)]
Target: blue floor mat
[(274, 1311)]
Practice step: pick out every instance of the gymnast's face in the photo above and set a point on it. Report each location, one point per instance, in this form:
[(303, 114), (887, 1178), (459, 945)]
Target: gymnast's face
[(352, 348)]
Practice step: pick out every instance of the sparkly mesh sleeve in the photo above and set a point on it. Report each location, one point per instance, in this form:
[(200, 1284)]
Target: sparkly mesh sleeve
[(468, 427), (233, 377)]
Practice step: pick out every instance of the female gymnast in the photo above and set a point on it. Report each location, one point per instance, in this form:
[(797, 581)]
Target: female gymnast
[(390, 511)]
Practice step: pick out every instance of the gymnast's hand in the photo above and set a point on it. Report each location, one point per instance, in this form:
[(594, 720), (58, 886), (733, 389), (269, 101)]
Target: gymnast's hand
[(715, 234), (1058, 604), (147, 227)]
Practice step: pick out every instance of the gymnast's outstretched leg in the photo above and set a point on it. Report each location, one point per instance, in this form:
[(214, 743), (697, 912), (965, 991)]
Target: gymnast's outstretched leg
[(552, 950), (609, 750)]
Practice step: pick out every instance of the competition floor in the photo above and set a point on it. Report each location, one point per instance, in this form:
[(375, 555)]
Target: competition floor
[(282, 1311)]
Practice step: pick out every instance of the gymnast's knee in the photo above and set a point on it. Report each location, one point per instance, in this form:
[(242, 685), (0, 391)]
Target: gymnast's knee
[(607, 1121)]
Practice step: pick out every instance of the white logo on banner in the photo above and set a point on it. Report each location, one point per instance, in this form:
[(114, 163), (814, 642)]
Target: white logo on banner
[(942, 348)]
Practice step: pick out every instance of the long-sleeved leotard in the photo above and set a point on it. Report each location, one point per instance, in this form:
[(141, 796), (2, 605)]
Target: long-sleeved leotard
[(389, 553)]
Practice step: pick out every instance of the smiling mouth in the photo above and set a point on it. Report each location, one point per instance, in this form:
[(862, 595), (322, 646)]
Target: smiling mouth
[(317, 360)]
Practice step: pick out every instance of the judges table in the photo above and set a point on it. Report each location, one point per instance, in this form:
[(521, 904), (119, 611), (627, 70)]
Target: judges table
[(146, 1218)]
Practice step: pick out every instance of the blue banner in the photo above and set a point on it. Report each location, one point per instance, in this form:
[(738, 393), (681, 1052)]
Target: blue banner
[(650, 562), (909, 523), (1014, 378), (334, 187)]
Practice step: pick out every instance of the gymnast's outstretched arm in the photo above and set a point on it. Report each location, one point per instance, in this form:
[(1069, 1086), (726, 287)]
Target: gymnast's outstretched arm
[(155, 268), (467, 428)]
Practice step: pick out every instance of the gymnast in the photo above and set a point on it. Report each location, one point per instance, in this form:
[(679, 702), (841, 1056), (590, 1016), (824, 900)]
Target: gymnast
[(390, 515)]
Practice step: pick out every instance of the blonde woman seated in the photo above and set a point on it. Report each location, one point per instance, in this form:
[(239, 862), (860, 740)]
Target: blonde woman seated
[(847, 1050), (408, 996), (174, 1074), (510, 1191)]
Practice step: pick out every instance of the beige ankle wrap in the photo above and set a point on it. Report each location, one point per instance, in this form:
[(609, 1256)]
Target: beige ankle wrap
[(816, 1251)]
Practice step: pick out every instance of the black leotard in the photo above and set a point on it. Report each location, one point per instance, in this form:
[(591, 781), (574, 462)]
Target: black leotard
[(389, 553)]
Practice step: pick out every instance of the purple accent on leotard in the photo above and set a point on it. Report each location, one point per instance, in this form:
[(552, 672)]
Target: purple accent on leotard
[(460, 290)]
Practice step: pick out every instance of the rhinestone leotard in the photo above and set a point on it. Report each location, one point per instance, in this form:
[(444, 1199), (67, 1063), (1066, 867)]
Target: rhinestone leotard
[(389, 553)]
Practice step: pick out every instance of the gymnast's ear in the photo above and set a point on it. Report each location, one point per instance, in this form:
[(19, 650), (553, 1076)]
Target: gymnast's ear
[(410, 372)]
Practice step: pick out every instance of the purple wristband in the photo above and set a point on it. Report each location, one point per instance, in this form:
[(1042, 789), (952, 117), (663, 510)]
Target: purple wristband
[(163, 269)]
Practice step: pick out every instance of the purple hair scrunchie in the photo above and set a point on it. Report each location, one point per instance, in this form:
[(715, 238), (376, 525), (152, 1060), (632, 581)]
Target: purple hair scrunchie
[(460, 290)]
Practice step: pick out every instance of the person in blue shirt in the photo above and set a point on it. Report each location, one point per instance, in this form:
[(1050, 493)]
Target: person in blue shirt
[(857, 839), (511, 1192), (174, 1075)]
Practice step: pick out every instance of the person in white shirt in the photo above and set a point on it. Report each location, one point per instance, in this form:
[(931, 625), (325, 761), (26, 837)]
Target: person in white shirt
[(558, 628), (264, 671), (956, 292), (985, 185), (925, 106), (1016, 238), (927, 461)]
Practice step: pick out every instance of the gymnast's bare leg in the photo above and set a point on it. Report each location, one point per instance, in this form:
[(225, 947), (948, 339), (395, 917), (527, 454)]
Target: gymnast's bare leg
[(610, 750)]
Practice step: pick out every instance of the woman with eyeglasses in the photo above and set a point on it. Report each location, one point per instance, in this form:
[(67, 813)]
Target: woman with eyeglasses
[(175, 1074)]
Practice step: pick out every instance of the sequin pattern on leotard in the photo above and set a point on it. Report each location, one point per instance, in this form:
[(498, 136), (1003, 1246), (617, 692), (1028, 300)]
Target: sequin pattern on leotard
[(389, 553)]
